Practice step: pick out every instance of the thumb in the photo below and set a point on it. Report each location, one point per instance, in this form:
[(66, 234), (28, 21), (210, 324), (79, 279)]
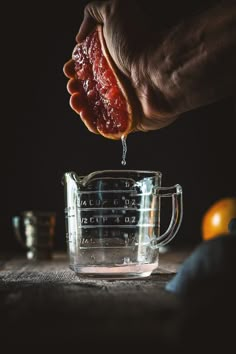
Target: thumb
[(94, 13)]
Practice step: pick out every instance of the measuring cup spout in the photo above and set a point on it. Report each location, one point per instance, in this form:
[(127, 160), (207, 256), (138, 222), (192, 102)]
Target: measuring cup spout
[(69, 177)]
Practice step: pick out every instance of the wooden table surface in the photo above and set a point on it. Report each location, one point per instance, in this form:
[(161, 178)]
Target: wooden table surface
[(44, 306), (47, 296), (18, 269)]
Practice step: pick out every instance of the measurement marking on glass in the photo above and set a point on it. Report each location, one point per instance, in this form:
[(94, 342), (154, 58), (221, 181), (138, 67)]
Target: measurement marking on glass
[(122, 208), (114, 226), (124, 150), (132, 192)]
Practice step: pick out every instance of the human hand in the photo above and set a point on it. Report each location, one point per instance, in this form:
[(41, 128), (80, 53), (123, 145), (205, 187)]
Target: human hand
[(129, 34)]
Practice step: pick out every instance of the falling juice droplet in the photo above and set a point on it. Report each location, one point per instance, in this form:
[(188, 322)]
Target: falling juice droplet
[(124, 150)]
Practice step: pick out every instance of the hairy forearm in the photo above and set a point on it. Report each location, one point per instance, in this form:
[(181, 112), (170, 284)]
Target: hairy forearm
[(193, 66)]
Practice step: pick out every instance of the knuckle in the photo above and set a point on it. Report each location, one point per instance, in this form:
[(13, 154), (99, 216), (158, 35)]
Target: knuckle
[(99, 10)]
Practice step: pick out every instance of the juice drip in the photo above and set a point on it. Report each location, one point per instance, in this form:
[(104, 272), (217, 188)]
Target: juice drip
[(124, 151)]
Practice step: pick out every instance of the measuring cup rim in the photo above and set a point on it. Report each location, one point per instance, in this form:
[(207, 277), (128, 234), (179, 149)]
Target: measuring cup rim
[(152, 173)]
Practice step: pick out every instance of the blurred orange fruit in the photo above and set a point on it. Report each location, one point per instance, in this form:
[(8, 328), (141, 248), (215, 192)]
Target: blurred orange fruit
[(216, 219)]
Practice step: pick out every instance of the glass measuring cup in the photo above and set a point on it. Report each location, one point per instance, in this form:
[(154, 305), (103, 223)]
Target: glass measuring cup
[(35, 231), (112, 220)]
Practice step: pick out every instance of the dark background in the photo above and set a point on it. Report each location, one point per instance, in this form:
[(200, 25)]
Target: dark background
[(42, 137)]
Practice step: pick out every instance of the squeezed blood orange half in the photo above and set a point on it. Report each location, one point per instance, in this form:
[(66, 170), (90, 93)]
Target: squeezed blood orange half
[(103, 101)]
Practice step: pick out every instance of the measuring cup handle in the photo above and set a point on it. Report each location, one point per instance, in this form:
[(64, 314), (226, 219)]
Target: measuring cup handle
[(175, 192), (16, 222)]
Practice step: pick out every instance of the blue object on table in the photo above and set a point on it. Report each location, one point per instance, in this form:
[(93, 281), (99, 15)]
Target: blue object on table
[(211, 261), (232, 225)]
